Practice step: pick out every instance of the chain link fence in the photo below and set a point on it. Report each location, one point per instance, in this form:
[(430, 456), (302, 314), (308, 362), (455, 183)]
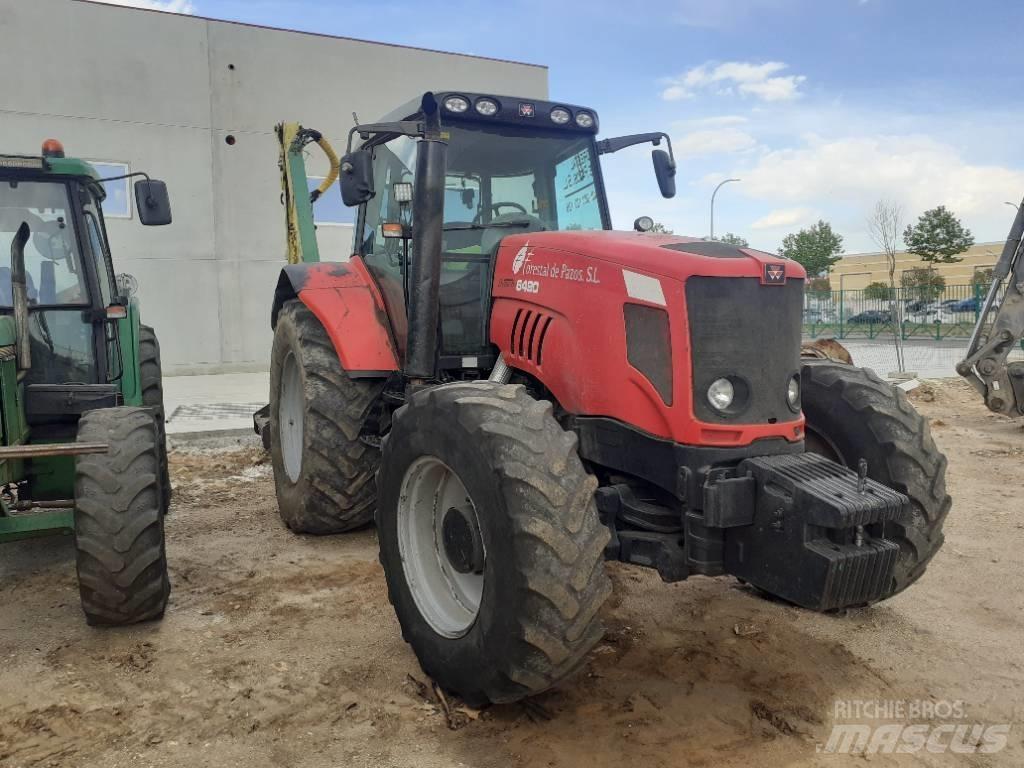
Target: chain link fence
[(934, 325)]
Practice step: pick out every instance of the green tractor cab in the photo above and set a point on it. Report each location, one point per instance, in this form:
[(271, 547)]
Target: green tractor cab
[(82, 440)]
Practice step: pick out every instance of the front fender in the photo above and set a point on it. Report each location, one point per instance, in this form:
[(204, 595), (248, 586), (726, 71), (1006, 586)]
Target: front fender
[(346, 301)]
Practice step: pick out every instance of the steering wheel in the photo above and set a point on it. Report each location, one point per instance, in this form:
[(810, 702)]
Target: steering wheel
[(496, 206), (478, 219)]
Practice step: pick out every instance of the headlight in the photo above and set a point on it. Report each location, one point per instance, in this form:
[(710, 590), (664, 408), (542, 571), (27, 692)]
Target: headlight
[(456, 104), (487, 107), (584, 120), (721, 394), (560, 116), (793, 393)]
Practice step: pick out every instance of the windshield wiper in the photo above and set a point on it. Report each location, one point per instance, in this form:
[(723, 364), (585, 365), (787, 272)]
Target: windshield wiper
[(466, 225)]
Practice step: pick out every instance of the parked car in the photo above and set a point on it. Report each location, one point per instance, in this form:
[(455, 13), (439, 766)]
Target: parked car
[(871, 316), (972, 304), (930, 315), (813, 315)]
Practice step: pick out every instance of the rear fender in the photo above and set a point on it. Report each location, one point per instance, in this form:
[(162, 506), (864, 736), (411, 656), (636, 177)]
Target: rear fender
[(347, 303)]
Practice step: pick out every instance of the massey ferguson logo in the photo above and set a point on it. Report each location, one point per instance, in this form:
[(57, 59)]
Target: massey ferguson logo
[(775, 273), (520, 260)]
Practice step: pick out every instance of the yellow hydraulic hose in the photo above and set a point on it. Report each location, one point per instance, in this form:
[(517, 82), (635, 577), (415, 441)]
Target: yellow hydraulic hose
[(332, 175)]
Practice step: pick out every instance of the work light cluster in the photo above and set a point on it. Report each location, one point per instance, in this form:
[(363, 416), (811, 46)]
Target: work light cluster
[(488, 107)]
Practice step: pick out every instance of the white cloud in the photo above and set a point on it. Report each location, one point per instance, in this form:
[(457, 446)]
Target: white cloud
[(713, 141), (783, 217), (842, 178), (761, 81), (918, 170), (171, 6)]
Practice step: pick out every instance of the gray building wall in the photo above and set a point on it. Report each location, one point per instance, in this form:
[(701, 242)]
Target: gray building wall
[(162, 92)]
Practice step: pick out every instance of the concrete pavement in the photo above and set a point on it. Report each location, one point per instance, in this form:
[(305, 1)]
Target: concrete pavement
[(215, 402), (225, 403)]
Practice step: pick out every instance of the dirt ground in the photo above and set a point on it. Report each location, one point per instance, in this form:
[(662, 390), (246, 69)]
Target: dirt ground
[(280, 650)]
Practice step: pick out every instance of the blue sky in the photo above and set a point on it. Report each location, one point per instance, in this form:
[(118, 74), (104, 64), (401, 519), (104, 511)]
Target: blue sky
[(820, 107)]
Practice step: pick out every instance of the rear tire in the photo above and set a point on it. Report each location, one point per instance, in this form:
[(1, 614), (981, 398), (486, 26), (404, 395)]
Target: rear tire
[(119, 529), (151, 383), (541, 577), (323, 470), (853, 414)]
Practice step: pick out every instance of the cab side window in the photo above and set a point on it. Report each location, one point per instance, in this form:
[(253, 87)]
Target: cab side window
[(98, 246)]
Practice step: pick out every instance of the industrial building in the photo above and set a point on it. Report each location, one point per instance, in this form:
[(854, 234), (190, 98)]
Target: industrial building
[(194, 101), (856, 271)]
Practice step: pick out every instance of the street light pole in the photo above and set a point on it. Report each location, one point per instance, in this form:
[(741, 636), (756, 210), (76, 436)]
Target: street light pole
[(842, 297), (713, 205)]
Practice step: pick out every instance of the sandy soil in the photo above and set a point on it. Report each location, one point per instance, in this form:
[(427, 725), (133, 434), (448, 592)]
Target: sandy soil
[(279, 650)]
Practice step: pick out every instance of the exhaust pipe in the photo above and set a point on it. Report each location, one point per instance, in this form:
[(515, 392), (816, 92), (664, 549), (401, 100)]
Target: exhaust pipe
[(425, 270), (19, 297)]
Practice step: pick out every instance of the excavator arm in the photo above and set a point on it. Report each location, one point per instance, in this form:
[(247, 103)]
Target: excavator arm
[(999, 329), (298, 200)]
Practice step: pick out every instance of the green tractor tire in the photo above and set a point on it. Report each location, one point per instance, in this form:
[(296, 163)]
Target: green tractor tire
[(151, 382), (119, 528)]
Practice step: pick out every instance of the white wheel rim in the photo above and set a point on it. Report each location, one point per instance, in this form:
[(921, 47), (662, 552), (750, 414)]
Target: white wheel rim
[(290, 406), (448, 600)]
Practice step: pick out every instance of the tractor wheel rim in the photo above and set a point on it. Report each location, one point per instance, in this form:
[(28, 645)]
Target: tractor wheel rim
[(289, 417), (448, 600)]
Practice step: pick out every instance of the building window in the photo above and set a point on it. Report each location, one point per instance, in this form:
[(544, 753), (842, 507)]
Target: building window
[(118, 204), (329, 209)]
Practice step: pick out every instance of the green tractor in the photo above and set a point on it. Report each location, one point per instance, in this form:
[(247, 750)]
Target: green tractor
[(82, 443)]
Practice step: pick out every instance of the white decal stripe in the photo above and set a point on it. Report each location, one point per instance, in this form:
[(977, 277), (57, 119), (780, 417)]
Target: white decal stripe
[(643, 287)]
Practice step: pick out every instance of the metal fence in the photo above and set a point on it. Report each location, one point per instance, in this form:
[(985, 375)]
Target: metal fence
[(947, 314)]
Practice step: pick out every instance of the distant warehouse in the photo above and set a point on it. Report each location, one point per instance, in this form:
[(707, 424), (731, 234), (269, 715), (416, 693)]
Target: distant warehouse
[(194, 101), (857, 270)]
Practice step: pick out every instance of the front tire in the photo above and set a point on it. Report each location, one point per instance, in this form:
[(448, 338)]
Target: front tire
[(152, 384), (853, 414), (513, 612), (323, 470), (119, 529)]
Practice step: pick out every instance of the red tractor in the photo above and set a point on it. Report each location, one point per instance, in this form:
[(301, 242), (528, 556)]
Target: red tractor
[(516, 394)]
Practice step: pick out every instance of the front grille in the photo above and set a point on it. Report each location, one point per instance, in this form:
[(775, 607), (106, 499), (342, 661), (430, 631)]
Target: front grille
[(742, 329)]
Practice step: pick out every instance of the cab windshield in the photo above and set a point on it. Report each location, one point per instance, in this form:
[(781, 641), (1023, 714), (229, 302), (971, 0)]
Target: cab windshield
[(497, 175), (53, 264)]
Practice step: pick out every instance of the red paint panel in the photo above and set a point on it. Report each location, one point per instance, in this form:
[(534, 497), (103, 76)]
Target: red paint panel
[(577, 279), (346, 301)]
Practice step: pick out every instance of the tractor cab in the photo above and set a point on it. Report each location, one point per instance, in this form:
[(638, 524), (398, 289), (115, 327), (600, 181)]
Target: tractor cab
[(73, 296), (512, 166)]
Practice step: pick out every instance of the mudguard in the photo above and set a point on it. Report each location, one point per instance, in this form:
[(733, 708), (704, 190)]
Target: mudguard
[(346, 301)]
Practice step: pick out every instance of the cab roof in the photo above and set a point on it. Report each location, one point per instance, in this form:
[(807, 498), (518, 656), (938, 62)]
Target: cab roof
[(34, 165), (517, 110)]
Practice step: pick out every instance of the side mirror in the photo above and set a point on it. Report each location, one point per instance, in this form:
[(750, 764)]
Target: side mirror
[(665, 171), (152, 202), (357, 177)]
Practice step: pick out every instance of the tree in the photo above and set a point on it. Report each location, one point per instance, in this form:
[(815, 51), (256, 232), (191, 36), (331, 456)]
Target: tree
[(661, 229), (819, 285), (922, 284), (731, 239), (878, 291), (884, 225), (937, 237), (982, 276), (816, 248)]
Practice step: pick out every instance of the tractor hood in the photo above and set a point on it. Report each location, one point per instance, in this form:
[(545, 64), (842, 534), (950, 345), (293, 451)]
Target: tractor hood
[(666, 255)]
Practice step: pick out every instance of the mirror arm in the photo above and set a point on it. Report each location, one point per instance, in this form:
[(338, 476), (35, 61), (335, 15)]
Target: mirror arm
[(143, 174), (609, 146), (402, 128)]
